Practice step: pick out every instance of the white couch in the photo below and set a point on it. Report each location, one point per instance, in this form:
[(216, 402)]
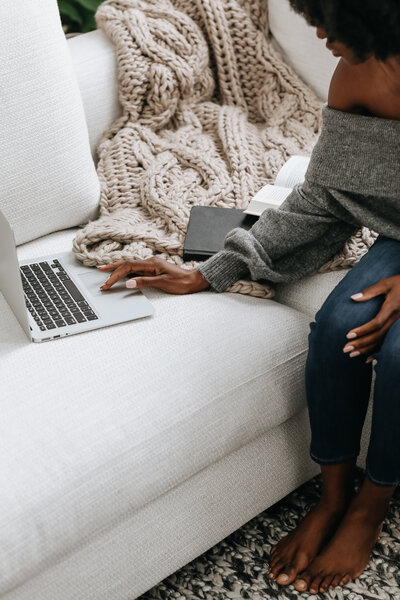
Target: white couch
[(128, 451)]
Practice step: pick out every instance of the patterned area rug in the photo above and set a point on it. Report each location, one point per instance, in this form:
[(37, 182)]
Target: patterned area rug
[(237, 567)]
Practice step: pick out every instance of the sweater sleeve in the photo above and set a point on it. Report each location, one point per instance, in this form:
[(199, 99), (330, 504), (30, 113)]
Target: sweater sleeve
[(285, 244), (353, 179)]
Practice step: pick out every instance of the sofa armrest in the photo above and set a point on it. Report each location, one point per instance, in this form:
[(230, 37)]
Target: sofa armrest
[(93, 56)]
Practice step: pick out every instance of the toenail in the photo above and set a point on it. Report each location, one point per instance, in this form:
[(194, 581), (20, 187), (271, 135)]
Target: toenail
[(301, 583), (313, 590), (283, 577)]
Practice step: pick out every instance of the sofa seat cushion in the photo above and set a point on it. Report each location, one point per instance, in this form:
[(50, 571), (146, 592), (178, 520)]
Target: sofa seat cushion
[(97, 425), (308, 294)]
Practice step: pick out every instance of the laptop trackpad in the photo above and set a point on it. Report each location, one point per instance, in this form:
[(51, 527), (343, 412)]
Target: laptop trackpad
[(117, 304), (93, 281)]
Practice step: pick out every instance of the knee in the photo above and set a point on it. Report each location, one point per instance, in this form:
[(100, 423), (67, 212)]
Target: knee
[(335, 319)]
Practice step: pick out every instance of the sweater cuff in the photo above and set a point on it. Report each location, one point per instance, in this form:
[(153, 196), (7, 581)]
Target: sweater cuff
[(223, 270)]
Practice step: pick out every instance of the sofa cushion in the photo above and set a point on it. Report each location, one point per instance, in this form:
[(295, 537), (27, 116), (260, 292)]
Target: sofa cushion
[(95, 66), (50, 182), (308, 294), (104, 422), (300, 47)]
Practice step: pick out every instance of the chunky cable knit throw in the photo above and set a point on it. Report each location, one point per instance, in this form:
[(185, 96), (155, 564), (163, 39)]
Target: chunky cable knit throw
[(210, 114)]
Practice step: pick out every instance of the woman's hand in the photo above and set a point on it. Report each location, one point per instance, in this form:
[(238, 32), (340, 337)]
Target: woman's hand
[(158, 273), (368, 337)]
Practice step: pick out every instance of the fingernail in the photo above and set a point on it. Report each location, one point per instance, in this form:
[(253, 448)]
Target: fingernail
[(131, 283), (351, 336), (356, 296), (353, 354), (370, 359), (348, 348)]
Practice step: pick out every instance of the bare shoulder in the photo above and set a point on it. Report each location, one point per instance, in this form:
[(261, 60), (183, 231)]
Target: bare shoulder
[(364, 89), (349, 85)]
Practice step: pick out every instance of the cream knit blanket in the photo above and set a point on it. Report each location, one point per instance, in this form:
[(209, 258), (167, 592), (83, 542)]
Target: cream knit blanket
[(210, 114)]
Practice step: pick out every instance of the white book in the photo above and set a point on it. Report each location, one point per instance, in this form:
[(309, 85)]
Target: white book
[(272, 196)]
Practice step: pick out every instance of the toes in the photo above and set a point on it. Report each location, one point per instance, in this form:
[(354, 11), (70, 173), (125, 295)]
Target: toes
[(283, 578), (275, 557), (325, 583), (315, 583), (302, 582), (337, 580), (273, 549), (273, 563), (287, 576), (276, 569), (345, 580)]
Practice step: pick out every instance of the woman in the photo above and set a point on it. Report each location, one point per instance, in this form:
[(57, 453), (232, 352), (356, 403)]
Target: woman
[(353, 180)]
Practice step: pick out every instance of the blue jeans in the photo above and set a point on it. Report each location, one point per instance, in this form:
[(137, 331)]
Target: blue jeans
[(338, 387)]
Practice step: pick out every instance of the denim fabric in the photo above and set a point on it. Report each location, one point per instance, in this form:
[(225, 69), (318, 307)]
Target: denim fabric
[(338, 387)]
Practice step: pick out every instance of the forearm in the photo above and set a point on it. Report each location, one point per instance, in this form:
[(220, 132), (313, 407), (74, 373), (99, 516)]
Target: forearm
[(284, 245)]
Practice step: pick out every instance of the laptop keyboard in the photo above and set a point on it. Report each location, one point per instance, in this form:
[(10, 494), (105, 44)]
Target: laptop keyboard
[(52, 298)]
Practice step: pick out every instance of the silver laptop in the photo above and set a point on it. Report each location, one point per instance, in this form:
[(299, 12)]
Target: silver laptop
[(55, 296)]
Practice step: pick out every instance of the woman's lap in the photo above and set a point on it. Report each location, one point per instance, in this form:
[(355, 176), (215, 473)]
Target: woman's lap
[(381, 261), (338, 387)]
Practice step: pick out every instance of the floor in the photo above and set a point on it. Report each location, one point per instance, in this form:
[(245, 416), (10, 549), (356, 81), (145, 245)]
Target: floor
[(237, 567)]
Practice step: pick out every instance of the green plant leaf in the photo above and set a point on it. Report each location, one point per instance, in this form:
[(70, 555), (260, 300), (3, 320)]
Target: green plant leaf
[(78, 15), (89, 23), (67, 9), (91, 5)]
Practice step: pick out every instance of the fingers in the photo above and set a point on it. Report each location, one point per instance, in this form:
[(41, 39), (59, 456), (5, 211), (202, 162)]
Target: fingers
[(111, 266), (158, 281), (150, 266), (119, 273), (158, 273), (162, 282), (371, 292), (367, 344), (374, 325), (366, 350), (384, 315)]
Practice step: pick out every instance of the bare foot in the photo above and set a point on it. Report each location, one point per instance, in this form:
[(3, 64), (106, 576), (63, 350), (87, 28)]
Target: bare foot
[(295, 552), (347, 554)]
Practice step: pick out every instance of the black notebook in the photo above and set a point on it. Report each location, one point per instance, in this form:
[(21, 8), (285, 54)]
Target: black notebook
[(207, 228)]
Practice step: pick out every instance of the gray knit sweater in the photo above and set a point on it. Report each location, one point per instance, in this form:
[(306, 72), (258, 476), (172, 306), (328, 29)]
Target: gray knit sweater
[(353, 180)]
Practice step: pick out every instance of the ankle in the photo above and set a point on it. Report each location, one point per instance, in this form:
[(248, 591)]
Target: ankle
[(338, 484), (337, 502), (371, 503), (368, 515)]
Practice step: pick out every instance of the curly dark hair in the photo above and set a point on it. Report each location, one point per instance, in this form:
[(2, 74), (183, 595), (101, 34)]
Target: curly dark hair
[(365, 26)]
